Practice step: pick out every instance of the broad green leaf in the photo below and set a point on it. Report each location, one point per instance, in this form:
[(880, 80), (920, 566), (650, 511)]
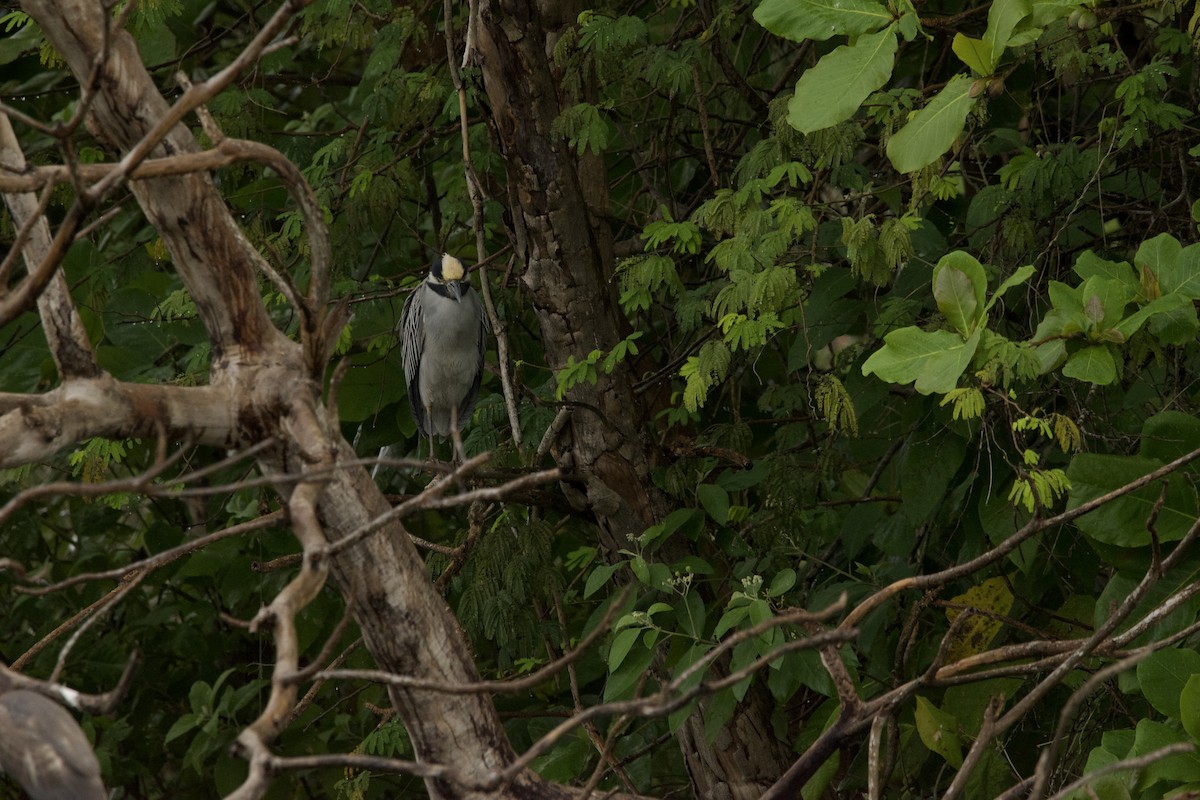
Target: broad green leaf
[(1003, 17), (802, 20), (1168, 435), (933, 361), (932, 130), (715, 501), (1061, 322), (1093, 364), (598, 578), (1163, 305), (1189, 706), (1043, 12), (1016, 279), (975, 53), (1090, 265), (938, 732), (1065, 297), (832, 90), (969, 266), (622, 681), (1177, 267), (783, 581), (955, 297), (1162, 676), (730, 620), (970, 700), (1178, 326), (1111, 296), (621, 645), (182, 725), (1152, 735), (1123, 521), (925, 476)]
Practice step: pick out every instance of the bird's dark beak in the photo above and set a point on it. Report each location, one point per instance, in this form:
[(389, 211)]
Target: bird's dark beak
[(456, 289)]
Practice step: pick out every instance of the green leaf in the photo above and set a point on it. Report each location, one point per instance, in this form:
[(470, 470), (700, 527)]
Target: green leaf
[(621, 645), (730, 620), (1090, 265), (832, 90), (818, 20), (933, 129), (1152, 735), (715, 501), (182, 725), (1003, 17), (1168, 435), (959, 285), (937, 730), (1189, 706), (621, 682), (933, 360), (598, 578), (1162, 676), (1093, 364), (783, 581), (1163, 305), (1123, 521), (975, 53), (1177, 267), (955, 297), (1016, 279), (925, 475)]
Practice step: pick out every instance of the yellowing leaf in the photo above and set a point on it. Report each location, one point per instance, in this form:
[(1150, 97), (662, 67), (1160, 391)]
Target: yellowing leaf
[(976, 633)]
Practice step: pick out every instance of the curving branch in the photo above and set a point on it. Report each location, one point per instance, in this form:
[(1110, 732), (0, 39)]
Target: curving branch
[(35, 427)]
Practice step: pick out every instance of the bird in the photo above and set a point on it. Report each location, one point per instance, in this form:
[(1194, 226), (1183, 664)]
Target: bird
[(43, 748), (443, 336)]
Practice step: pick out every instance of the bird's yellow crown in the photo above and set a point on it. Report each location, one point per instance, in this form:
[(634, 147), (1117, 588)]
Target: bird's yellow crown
[(452, 268)]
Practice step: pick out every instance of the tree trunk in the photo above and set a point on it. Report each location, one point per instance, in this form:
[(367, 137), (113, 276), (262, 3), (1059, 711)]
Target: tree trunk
[(568, 261), (568, 270)]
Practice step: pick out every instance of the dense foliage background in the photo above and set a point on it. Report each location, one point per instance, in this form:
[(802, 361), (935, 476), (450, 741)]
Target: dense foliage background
[(896, 279)]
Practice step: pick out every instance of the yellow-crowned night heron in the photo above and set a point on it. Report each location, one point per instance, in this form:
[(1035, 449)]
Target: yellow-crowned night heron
[(43, 748), (442, 339)]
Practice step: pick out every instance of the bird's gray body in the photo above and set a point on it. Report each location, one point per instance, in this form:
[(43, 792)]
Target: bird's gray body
[(443, 330), (44, 750)]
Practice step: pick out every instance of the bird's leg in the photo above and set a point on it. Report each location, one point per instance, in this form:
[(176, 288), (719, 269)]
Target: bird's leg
[(429, 422), (459, 451)]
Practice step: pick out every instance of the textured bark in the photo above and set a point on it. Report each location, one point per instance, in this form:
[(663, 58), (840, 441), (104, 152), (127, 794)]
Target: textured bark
[(69, 343), (568, 269), (193, 221), (568, 262)]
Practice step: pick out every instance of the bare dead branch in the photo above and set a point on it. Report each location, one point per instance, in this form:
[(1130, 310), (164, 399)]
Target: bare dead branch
[(36, 427)]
